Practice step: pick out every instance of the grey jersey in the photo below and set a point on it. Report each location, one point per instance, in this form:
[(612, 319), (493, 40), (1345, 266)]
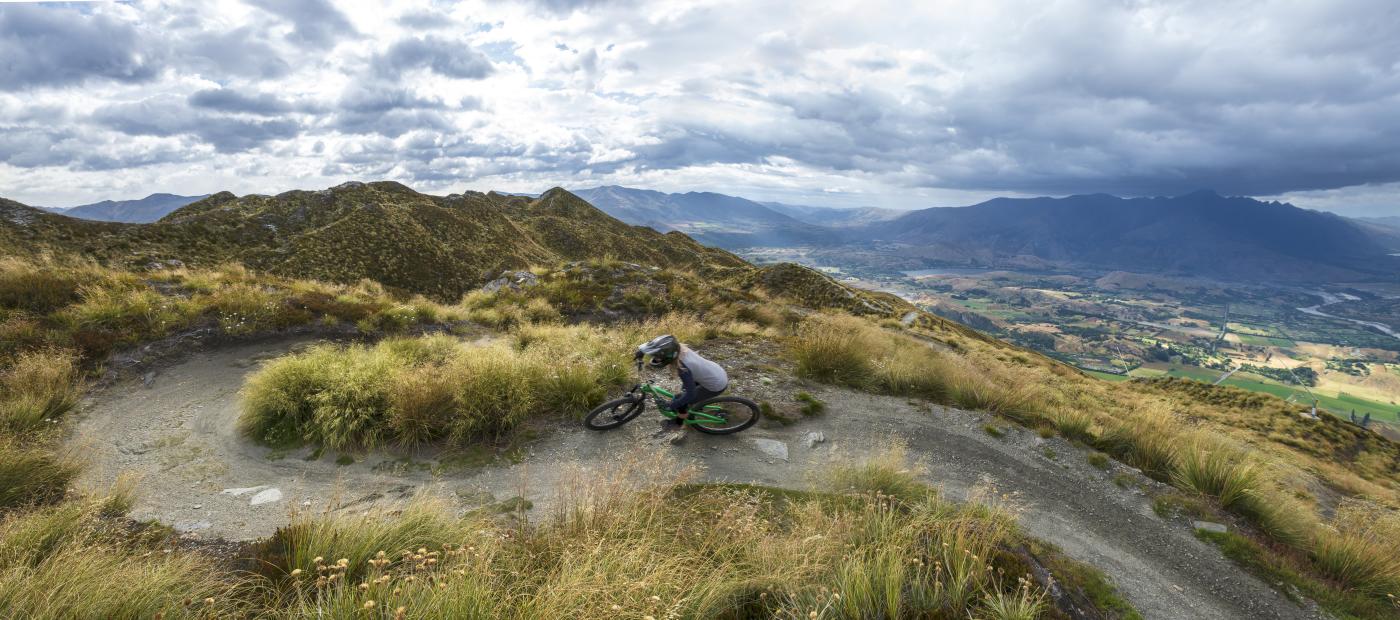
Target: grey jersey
[(706, 373)]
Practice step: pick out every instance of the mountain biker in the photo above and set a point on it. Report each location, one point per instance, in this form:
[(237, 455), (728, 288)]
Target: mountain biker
[(700, 378)]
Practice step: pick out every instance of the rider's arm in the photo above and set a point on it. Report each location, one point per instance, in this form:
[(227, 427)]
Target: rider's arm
[(687, 385)]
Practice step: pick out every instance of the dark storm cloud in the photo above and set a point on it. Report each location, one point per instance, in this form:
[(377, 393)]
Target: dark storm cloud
[(450, 58), (169, 117), (231, 100), (1071, 102), (52, 46), (315, 23)]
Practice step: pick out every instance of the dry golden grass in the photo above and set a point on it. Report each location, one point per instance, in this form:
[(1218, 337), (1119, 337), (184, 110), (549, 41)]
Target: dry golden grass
[(1170, 431), (612, 548), (1362, 548), (37, 388)]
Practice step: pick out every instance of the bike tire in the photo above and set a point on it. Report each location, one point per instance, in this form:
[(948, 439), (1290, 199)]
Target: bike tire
[(741, 404), (615, 413)]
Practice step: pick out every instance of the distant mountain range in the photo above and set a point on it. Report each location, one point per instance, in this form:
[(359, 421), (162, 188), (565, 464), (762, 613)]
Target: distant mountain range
[(148, 209), (836, 216), (1197, 234), (725, 221)]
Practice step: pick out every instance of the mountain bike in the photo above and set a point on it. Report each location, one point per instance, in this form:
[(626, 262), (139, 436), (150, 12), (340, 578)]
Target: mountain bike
[(720, 415)]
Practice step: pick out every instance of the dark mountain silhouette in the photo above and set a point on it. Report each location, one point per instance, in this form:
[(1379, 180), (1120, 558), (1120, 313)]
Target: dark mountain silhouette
[(1199, 234), (717, 219), (148, 209)]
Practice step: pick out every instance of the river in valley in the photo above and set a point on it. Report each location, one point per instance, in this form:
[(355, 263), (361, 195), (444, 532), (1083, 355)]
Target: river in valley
[(1329, 299)]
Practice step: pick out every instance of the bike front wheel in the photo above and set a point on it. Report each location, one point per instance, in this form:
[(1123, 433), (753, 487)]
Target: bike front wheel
[(723, 415), (615, 413)]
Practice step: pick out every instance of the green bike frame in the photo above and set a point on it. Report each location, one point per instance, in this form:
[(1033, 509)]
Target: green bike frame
[(709, 413)]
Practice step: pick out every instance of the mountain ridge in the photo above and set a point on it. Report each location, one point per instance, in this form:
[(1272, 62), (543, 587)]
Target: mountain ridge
[(139, 211), (440, 246), (727, 221), (1201, 233)]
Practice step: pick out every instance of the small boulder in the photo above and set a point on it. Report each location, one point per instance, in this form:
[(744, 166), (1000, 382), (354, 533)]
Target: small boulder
[(513, 280), (266, 497), (771, 448), (1210, 526)]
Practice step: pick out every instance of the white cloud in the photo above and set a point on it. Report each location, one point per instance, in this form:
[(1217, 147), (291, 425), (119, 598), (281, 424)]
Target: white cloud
[(890, 103)]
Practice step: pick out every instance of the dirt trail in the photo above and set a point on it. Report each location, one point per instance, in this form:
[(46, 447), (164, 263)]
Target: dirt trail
[(176, 431)]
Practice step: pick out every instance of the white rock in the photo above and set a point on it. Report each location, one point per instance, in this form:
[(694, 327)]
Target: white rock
[(243, 490), (192, 526), (266, 497), (813, 438), (771, 448)]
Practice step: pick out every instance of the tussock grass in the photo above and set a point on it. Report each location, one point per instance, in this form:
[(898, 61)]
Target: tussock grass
[(68, 561), (1215, 468), (1148, 438), (409, 391), (32, 475), (887, 473), (39, 386), (37, 287), (611, 549), (1362, 550), (413, 390), (853, 352)]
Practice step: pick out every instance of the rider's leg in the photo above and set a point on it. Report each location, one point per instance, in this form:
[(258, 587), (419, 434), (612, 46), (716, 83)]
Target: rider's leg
[(682, 402)]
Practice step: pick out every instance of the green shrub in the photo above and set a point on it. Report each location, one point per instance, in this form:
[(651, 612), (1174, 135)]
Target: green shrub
[(1099, 460), (811, 405)]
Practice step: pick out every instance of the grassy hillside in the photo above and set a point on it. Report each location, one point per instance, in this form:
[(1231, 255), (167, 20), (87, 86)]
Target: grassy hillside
[(441, 247), (1317, 496)]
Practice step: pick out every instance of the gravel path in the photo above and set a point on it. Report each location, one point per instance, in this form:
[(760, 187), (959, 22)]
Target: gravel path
[(176, 431)]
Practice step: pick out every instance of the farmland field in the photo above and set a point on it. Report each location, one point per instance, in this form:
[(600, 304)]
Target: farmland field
[(1265, 341), (1341, 404), (1106, 376), (1163, 326)]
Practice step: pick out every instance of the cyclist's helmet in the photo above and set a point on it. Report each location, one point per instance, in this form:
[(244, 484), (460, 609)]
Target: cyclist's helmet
[(662, 350)]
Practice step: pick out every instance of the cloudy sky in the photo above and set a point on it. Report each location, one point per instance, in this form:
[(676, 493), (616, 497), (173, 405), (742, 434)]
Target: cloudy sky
[(859, 102)]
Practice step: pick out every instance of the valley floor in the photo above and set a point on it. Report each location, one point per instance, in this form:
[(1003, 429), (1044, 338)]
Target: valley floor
[(176, 430)]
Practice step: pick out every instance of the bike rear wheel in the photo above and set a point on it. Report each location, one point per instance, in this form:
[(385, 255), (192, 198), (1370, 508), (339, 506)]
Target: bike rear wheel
[(723, 415), (615, 413)]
